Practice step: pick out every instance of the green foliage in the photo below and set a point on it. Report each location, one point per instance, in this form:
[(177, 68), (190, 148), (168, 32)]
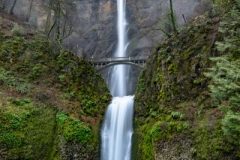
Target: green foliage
[(141, 85), (23, 129), (186, 126), (89, 106), (223, 6), (46, 79), (73, 129), (35, 60), (37, 70), (231, 125), (23, 88), (17, 30), (3, 76), (174, 75), (225, 76), (209, 143), (74, 73), (225, 89), (20, 85), (11, 140), (147, 145), (177, 115), (152, 133), (229, 27)]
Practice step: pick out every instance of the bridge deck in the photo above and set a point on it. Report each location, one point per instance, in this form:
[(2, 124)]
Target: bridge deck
[(118, 59), (103, 63)]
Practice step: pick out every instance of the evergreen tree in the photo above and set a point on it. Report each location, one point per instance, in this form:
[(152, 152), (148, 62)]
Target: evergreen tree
[(225, 73), (225, 90)]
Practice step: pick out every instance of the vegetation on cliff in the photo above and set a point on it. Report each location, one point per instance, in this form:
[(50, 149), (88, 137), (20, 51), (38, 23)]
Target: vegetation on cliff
[(187, 99), (51, 101)]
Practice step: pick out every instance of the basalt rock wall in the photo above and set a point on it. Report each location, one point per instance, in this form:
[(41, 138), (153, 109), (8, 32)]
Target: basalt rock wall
[(95, 21)]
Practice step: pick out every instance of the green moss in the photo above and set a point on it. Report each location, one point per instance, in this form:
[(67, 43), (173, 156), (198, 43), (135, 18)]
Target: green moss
[(73, 129), (176, 99), (210, 143), (153, 132), (47, 84), (26, 131), (172, 68), (147, 145)]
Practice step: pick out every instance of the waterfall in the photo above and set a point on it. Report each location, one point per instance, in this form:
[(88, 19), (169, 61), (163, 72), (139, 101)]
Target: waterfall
[(117, 127)]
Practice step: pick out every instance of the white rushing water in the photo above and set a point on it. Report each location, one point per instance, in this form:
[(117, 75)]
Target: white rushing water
[(117, 127)]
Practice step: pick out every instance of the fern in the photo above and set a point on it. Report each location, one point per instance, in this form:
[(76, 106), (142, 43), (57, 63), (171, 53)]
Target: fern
[(229, 27), (225, 89), (23, 87), (223, 6), (226, 78), (230, 125), (3, 76)]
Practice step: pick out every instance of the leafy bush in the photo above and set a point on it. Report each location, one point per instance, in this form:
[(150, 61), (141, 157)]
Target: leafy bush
[(20, 85), (226, 79), (23, 88), (73, 129), (3, 75), (30, 64), (10, 140), (177, 115), (229, 28), (24, 129), (231, 125), (225, 90), (225, 74), (17, 30)]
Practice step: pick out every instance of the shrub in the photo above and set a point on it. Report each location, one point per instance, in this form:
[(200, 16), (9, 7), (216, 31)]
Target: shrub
[(17, 30), (73, 129), (177, 115), (225, 91), (3, 77), (230, 125), (23, 88)]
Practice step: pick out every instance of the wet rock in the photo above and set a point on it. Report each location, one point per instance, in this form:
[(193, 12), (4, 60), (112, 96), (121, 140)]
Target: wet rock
[(95, 23), (178, 148), (77, 151)]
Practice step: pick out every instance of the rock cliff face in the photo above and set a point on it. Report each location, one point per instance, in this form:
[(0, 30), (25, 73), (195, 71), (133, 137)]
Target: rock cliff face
[(95, 23), (176, 114), (146, 17), (51, 101)]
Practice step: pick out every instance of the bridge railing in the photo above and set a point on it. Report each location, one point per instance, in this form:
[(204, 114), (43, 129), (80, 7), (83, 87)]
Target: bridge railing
[(118, 59)]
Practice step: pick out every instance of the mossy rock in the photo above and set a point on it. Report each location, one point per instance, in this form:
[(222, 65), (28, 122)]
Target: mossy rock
[(173, 104), (39, 81)]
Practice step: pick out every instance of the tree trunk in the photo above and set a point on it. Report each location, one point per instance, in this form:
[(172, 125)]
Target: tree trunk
[(48, 22), (14, 3), (172, 17), (58, 12), (30, 10)]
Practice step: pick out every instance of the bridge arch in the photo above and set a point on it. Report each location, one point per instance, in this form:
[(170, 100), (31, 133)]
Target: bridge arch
[(117, 63), (103, 63)]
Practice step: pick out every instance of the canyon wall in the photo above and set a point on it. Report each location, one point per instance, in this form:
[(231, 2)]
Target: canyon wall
[(94, 30)]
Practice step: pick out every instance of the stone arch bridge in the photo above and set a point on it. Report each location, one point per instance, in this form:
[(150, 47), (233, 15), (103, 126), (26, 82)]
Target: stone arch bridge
[(103, 63)]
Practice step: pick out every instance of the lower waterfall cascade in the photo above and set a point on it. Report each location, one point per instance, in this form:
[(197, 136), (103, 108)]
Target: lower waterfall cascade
[(117, 129)]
